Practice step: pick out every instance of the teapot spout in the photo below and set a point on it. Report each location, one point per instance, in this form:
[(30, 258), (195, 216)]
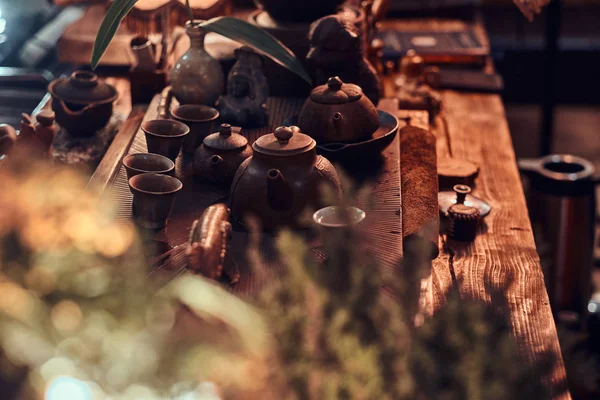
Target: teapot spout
[(279, 192)]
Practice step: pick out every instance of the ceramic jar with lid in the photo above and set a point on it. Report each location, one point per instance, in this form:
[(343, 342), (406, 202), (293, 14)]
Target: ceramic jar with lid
[(220, 155), (338, 112), (82, 103), (281, 179)]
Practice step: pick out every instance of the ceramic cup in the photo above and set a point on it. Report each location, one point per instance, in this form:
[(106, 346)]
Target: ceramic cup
[(338, 217), (200, 120), (165, 137), (153, 198), (140, 163)]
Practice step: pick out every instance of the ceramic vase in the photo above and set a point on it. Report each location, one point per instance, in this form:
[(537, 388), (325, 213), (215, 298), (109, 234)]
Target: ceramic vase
[(197, 78)]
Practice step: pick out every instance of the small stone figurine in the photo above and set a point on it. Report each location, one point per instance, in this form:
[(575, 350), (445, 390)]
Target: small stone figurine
[(247, 92), (336, 50)]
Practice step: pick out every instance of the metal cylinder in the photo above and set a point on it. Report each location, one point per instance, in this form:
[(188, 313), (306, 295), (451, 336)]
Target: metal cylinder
[(562, 201)]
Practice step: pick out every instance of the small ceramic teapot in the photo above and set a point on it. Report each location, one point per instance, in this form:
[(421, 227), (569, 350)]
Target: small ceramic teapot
[(338, 112), (220, 155), (82, 103), (281, 179)]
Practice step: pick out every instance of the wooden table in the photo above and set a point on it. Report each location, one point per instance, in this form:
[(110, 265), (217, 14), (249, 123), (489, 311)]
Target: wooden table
[(502, 266)]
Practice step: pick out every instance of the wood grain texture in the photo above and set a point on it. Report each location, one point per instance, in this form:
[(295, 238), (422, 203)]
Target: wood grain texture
[(382, 227), (502, 266)]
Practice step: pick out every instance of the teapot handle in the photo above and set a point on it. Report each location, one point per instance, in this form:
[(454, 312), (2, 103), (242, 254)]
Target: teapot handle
[(70, 112)]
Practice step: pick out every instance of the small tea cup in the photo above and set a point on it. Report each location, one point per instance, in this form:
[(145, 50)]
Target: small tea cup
[(199, 119), (165, 136), (141, 163), (153, 198), (338, 217)]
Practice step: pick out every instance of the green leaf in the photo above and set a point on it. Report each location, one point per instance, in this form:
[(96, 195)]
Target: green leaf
[(261, 41), (232, 28), (115, 14)]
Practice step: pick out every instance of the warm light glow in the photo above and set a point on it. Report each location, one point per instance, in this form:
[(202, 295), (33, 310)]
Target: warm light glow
[(67, 388), (66, 315)]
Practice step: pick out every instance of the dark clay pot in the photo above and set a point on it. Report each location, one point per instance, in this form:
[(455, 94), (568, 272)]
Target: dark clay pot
[(220, 155), (338, 112), (281, 179), (82, 103)]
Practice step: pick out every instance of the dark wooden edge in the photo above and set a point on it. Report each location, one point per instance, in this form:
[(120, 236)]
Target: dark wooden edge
[(109, 166)]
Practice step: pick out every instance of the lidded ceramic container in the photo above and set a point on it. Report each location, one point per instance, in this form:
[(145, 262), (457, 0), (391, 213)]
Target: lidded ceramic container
[(82, 103), (338, 112), (281, 179), (220, 155)]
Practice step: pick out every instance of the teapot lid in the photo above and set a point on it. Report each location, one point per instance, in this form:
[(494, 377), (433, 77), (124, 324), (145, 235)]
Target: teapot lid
[(82, 87), (225, 139), (336, 92), (285, 141)]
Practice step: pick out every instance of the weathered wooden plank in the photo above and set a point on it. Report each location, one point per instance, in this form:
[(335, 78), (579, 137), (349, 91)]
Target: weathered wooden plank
[(502, 266)]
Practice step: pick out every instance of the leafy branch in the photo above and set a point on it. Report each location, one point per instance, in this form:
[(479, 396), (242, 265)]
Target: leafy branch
[(232, 28)]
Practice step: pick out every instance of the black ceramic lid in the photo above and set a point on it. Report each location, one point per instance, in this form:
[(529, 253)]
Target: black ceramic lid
[(285, 141), (336, 92), (225, 139), (82, 87)]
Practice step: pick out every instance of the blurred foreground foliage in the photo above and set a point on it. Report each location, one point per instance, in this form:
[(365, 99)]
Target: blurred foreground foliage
[(79, 313)]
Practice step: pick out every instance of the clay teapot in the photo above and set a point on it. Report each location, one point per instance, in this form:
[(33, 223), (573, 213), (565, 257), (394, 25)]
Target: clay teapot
[(338, 112), (281, 179), (220, 155), (82, 103)]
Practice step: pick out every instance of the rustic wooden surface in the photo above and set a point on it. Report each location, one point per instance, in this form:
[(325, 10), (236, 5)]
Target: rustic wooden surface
[(502, 266), (382, 227)]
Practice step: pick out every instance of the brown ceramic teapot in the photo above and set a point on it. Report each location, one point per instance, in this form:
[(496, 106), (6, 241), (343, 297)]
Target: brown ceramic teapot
[(338, 112), (82, 103), (281, 179), (220, 155)]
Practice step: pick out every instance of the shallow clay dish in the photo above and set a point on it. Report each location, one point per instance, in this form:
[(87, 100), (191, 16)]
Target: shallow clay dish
[(380, 140)]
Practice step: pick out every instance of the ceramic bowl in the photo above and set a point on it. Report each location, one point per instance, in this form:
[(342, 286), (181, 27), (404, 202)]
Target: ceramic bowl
[(165, 137), (339, 217), (141, 163), (153, 198), (199, 119)]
